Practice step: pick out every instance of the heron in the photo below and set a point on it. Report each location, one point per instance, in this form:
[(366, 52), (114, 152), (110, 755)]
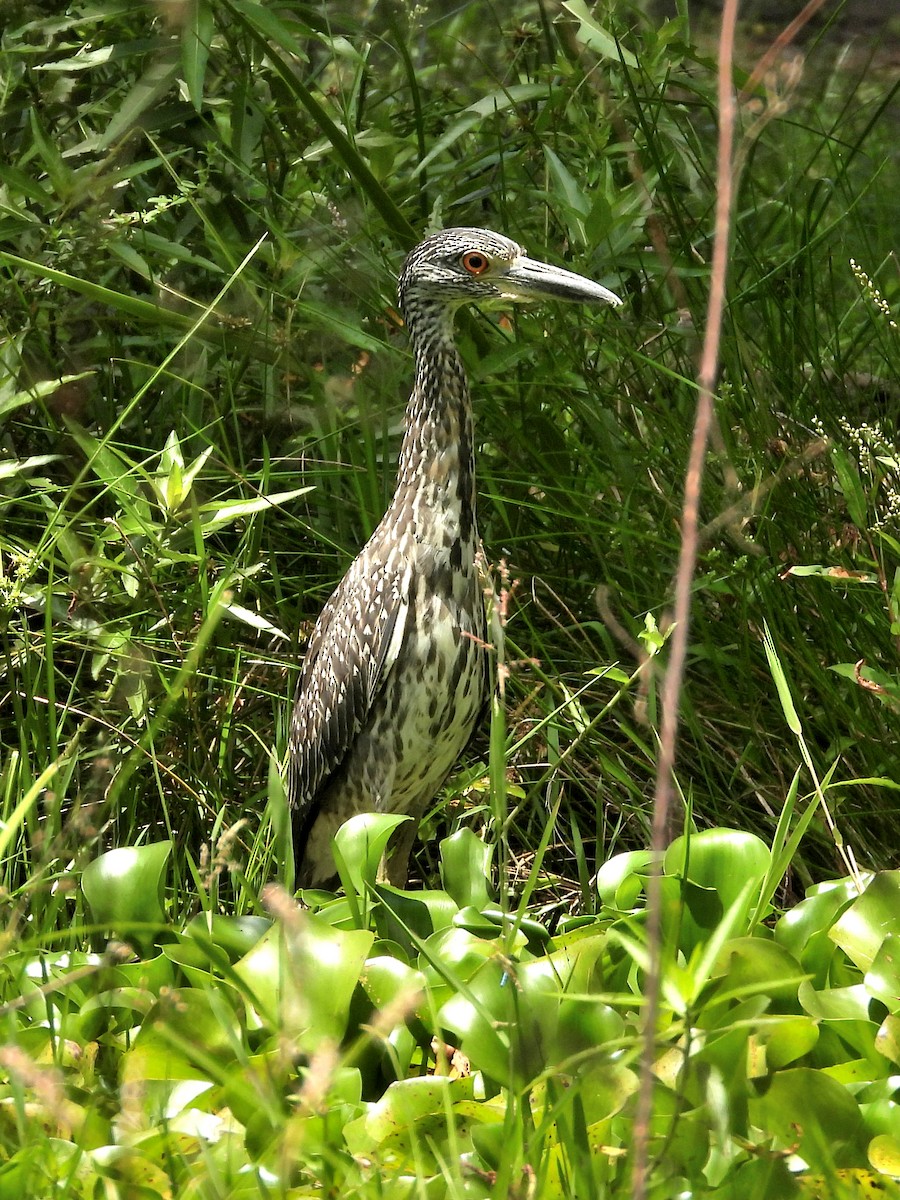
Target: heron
[(395, 674)]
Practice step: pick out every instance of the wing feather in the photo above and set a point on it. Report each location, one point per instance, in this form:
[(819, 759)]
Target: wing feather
[(353, 646)]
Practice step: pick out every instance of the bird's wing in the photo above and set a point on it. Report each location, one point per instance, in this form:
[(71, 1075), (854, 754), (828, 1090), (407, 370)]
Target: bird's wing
[(355, 642)]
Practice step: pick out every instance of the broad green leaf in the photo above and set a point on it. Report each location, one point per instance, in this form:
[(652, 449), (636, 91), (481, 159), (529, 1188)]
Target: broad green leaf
[(236, 935), (805, 928), (11, 400), (569, 189), (887, 1039), (805, 1111), (301, 977), (723, 864), (217, 516), (835, 1004), (411, 1116), (788, 1039), (124, 887), (361, 843), (254, 620), (486, 106), (384, 980), (862, 927), (586, 1023), (853, 1183), (113, 1012), (466, 868), (748, 966), (159, 76), (420, 913), (621, 879), (883, 976), (884, 1154)]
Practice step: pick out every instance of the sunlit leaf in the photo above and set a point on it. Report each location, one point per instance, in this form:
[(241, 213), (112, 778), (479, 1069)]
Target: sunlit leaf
[(466, 868), (301, 977), (862, 927), (124, 887)]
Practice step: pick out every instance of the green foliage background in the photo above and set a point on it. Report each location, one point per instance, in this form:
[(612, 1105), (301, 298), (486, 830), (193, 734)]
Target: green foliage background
[(202, 377)]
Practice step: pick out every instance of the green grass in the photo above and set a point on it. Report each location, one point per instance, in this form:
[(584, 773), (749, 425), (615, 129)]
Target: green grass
[(200, 229)]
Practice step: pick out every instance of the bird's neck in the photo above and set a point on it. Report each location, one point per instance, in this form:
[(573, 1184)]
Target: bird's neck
[(437, 458)]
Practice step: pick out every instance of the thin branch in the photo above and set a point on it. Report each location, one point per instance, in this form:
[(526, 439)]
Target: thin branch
[(686, 566), (784, 39)]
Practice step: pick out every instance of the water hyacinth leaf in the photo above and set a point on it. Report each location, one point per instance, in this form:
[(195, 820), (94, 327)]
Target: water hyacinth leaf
[(196, 1020), (134, 1175), (483, 1023), (301, 976), (114, 1011), (621, 879), (809, 1113), (420, 914), (863, 926), (884, 1154), (788, 1039), (477, 922), (200, 965), (508, 1019), (235, 935), (411, 1114), (804, 929), (854, 1183), (466, 868), (124, 887), (605, 1090), (450, 958), (835, 1004), (150, 973), (721, 859), (883, 977), (361, 843), (384, 980), (750, 966), (887, 1039)]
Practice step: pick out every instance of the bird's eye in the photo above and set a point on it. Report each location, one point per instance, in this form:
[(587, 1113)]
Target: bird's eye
[(475, 262)]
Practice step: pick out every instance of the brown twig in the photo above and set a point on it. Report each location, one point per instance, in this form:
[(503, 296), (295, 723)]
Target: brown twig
[(687, 560), (784, 38)]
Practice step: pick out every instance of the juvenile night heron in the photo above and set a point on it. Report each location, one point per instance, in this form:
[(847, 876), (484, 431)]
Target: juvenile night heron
[(395, 673)]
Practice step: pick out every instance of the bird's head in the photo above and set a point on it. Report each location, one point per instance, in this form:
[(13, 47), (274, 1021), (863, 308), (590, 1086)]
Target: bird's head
[(459, 266)]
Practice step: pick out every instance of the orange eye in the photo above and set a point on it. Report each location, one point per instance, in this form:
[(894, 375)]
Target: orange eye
[(475, 262)]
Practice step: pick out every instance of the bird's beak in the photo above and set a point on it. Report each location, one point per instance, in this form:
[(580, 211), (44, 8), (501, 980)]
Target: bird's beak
[(528, 279)]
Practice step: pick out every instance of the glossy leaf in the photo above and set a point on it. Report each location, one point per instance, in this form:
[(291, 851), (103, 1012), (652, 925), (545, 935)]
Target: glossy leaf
[(806, 1109), (361, 843), (466, 868), (301, 978), (862, 927), (620, 880), (124, 888)]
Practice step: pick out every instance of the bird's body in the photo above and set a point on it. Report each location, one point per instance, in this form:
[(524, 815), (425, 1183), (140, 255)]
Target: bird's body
[(395, 674)]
